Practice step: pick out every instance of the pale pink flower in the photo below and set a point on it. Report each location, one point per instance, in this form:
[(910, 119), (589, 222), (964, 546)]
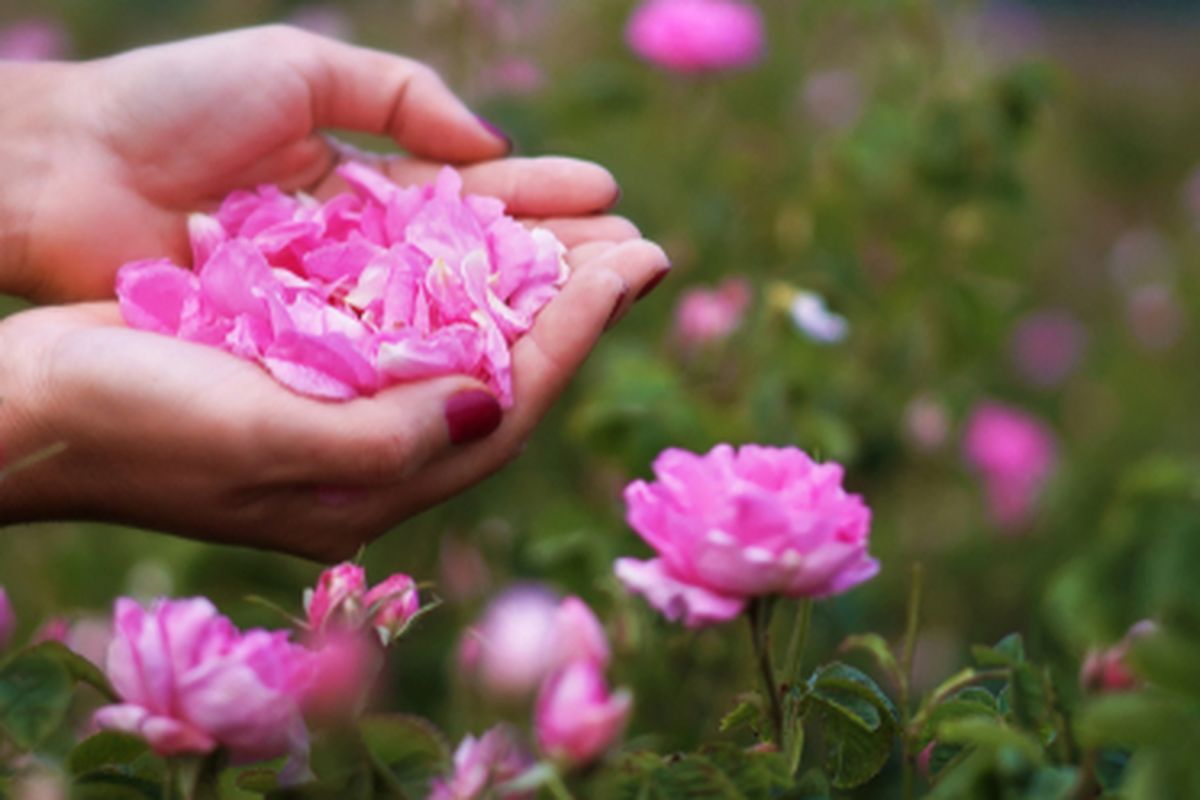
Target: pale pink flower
[(697, 35), (524, 635), (339, 599), (1154, 316), (709, 315), (392, 604), (190, 682), (343, 667), (34, 40), (735, 524), (1107, 671), (325, 20), (512, 76), (371, 288), (1046, 346), (1014, 454), (1140, 256), (54, 629), (926, 423), (833, 99), (482, 765), (462, 571), (577, 718), (8, 619), (90, 637)]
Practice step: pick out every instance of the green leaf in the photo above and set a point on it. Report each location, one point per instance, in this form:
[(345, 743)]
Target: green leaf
[(411, 747), (35, 692), (258, 780), (970, 702), (1169, 662), (990, 734), (1148, 718), (756, 774), (78, 667), (1052, 783), (840, 681), (878, 649), (858, 723), (1008, 652), (747, 714), (105, 749), (113, 786)]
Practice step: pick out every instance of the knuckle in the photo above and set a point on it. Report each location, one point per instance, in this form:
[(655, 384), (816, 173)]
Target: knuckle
[(383, 457)]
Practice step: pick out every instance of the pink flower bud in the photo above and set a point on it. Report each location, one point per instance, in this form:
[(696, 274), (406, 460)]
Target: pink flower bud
[(578, 635), (343, 668), (54, 629), (484, 764), (925, 761), (1047, 346), (697, 35), (710, 315), (1107, 671), (392, 604), (577, 719), (8, 619), (339, 599), (34, 40)]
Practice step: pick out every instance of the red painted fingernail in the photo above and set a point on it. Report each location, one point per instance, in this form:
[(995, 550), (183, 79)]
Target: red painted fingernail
[(494, 130), (650, 284), (471, 415), (618, 307)]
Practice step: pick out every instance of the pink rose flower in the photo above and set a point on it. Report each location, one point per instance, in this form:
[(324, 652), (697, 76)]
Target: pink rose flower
[(8, 619), (577, 719), (1047, 346), (481, 765), (1107, 671), (54, 629), (524, 635), (371, 288), (339, 599), (34, 40), (709, 315), (735, 524), (696, 35), (1015, 454), (343, 667), (191, 682), (393, 603)]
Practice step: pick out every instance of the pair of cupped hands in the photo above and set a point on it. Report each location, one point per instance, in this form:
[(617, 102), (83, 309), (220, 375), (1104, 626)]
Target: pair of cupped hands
[(103, 162)]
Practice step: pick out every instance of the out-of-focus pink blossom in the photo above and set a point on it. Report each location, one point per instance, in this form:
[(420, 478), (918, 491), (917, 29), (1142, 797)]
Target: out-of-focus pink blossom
[(925, 760), (53, 629), (190, 682), (1046, 346), (926, 423), (524, 635), (34, 40), (833, 99), (374, 287), (8, 619), (709, 315), (39, 785), (697, 35), (325, 20), (393, 603), (512, 76), (735, 524), (1191, 196), (483, 765), (339, 599), (1107, 671), (463, 573), (577, 718), (90, 637), (1014, 454), (1140, 256), (343, 667), (1154, 317), (813, 318)]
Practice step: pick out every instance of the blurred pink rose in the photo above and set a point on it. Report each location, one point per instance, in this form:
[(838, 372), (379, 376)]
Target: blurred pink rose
[(926, 423), (512, 76), (833, 99), (708, 315), (483, 764), (53, 629), (34, 40), (343, 667), (374, 287), (577, 719), (8, 619), (1015, 454), (90, 637), (1046, 346), (339, 599), (1154, 316), (524, 635), (191, 682), (325, 20), (392, 604), (734, 524), (462, 571), (1107, 671), (697, 35)]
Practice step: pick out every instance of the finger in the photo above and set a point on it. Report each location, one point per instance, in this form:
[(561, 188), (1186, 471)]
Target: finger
[(377, 92), (296, 167), (574, 231)]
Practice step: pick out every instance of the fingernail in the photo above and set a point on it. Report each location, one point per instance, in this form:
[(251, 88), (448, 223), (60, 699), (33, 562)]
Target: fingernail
[(653, 282), (618, 309), (495, 131), (616, 198), (471, 415)]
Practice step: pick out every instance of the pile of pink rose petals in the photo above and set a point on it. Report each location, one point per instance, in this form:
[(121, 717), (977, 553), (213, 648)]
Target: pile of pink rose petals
[(373, 287)]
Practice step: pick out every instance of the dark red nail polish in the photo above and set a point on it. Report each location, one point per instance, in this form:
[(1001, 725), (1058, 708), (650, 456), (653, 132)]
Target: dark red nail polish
[(495, 131), (471, 415), (653, 282), (617, 309)]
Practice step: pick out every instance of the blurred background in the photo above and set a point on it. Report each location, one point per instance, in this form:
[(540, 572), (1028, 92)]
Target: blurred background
[(942, 243)]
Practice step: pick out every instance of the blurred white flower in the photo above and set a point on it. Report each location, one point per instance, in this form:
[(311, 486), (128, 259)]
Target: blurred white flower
[(815, 320)]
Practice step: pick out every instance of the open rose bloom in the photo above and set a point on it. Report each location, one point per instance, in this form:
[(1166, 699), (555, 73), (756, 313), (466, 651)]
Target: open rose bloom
[(482, 765), (371, 288), (697, 35), (735, 524)]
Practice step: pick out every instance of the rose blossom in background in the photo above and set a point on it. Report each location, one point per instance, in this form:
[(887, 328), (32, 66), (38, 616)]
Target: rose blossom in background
[(926, 423), (692, 36), (833, 99), (1047, 346), (1014, 454), (392, 604), (513, 75), (734, 524), (1106, 671), (8, 619), (377, 286), (190, 682), (324, 20), (577, 718), (343, 668), (1154, 316), (481, 765), (709, 315), (34, 40), (52, 629), (338, 600), (1140, 256), (462, 571)]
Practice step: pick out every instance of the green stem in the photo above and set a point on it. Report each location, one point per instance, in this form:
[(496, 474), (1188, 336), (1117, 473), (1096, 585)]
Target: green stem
[(385, 774), (556, 786), (912, 625), (759, 615), (170, 776), (795, 651)]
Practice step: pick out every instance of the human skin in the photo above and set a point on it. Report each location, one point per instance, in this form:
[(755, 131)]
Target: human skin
[(103, 161)]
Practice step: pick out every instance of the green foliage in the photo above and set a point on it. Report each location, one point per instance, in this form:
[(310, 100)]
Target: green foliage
[(35, 692), (857, 723)]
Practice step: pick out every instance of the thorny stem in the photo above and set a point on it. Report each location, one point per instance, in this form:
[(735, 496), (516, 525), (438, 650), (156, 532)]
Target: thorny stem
[(912, 624), (759, 615)]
